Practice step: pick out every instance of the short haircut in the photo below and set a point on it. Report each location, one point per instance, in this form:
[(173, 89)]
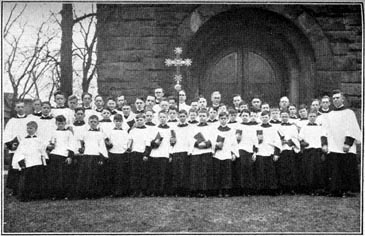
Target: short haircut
[(162, 112), (316, 100), (312, 111), (183, 111), (256, 97), (221, 114), (192, 110), (203, 110), (245, 111), (172, 98), (79, 109), (243, 102), (126, 105), (275, 108), (336, 91), (292, 105), (86, 94), (61, 118), (106, 109), (72, 97), (211, 108), (149, 109), (36, 100), (118, 117), (265, 113), (140, 98), (46, 103), (110, 99), (284, 111), (265, 103), (140, 115), (326, 97), (172, 108), (32, 124), (19, 101), (236, 95), (94, 117), (303, 106), (98, 96), (232, 111), (59, 93), (159, 88)]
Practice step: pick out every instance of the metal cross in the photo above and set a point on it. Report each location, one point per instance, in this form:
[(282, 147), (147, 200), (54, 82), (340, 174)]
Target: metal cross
[(178, 62)]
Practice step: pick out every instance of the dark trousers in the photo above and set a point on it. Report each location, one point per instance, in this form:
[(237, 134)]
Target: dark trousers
[(32, 183), (157, 172), (13, 176), (59, 177)]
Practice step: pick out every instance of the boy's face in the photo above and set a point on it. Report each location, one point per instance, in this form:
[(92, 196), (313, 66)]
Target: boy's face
[(216, 99), (212, 114), (284, 117), (182, 117), (194, 105), (80, 115), (126, 110), (159, 93), (312, 117), (139, 104), (31, 129), (164, 105), (256, 103), (315, 105), (292, 110), (265, 107), (120, 101), (325, 104), (223, 120), (93, 123), (111, 104), (150, 101), (245, 117), (243, 107), (275, 114), (182, 97), (265, 119), (284, 102), (162, 118), (19, 108), (202, 117), (149, 116), (105, 114), (46, 109), (253, 116), (202, 103), (236, 101), (37, 105), (303, 113), (99, 102), (86, 100), (118, 123), (172, 102), (60, 125), (72, 104), (172, 114), (60, 100), (192, 116), (140, 122), (233, 116)]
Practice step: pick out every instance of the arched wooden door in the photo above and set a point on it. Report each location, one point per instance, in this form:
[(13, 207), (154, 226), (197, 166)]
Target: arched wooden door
[(243, 71)]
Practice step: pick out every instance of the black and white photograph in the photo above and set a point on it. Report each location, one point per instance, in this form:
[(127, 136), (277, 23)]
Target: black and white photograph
[(169, 117)]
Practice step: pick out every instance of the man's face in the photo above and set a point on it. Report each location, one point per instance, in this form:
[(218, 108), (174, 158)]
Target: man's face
[(192, 115), (256, 103), (126, 110), (105, 114), (99, 103), (60, 100), (80, 115), (19, 108), (216, 99), (93, 123), (284, 117), (194, 105), (162, 118), (202, 117), (284, 102), (149, 116), (139, 104), (292, 110), (150, 101), (72, 104), (265, 107), (60, 125), (236, 101), (182, 96), (312, 117), (202, 103), (303, 113), (315, 105), (31, 129), (337, 100), (159, 93), (140, 122), (265, 119), (37, 105), (182, 117), (325, 103), (172, 114), (223, 120), (86, 100), (164, 105), (120, 101), (245, 117), (111, 104), (46, 109)]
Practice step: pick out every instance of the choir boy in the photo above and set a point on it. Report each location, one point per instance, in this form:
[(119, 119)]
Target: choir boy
[(201, 163), (243, 106), (265, 107), (72, 101), (150, 102), (120, 103), (15, 129), (243, 180), (193, 113), (254, 118), (30, 159), (161, 138), (61, 148), (172, 120), (164, 105), (106, 124), (37, 107), (202, 103), (79, 127), (139, 105), (286, 165), (256, 105), (303, 116), (226, 151), (46, 123), (172, 101), (284, 103), (111, 104), (236, 102), (314, 142), (233, 119), (216, 98), (194, 105), (150, 119), (267, 150), (293, 118), (90, 182), (86, 103), (343, 135), (212, 119), (61, 109), (275, 117), (140, 147), (128, 115), (315, 105), (99, 105), (180, 155), (118, 167)]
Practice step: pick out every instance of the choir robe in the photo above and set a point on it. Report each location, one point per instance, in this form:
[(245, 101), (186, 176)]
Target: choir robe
[(46, 127), (265, 173), (141, 147), (342, 128), (98, 112), (244, 172), (89, 112), (106, 126), (213, 123), (222, 158), (117, 167), (32, 154), (90, 175), (301, 122), (286, 166), (201, 162), (173, 123), (66, 112), (193, 122), (15, 128), (59, 174), (233, 125), (313, 170), (181, 157), (159, 160), (294, 120), (79, 128), (275, 123), (183, 106)]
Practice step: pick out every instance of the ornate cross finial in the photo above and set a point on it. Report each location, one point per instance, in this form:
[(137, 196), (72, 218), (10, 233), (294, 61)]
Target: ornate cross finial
[(178, 62)]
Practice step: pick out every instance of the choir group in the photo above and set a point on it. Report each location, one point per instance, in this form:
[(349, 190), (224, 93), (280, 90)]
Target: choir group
[(156, 148)]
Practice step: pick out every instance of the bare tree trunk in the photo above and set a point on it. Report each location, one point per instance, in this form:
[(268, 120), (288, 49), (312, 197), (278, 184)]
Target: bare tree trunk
[(66, 49)]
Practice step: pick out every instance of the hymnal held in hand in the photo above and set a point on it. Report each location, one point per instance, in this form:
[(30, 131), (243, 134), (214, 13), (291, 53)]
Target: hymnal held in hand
[(260, 136), (10, 145), (220, 139), (199, 137), (158, 137)]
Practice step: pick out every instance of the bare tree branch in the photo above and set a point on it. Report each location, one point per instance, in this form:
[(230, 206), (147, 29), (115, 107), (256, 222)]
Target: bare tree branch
[(78, 19), (10, 22)]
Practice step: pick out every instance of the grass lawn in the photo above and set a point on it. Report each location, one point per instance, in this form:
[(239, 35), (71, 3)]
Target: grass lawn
[(236, 214)]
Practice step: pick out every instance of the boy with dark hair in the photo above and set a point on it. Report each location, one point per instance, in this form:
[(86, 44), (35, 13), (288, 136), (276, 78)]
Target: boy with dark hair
[(30, 159), (149, 118), (46, 123), (303, 116), (275, 117), (111, 104), (99, 105), (72, 101), (212, 119), (86, 104), (192, 117), (37, 107), (139, 105), (172, 120), (61, 109)]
